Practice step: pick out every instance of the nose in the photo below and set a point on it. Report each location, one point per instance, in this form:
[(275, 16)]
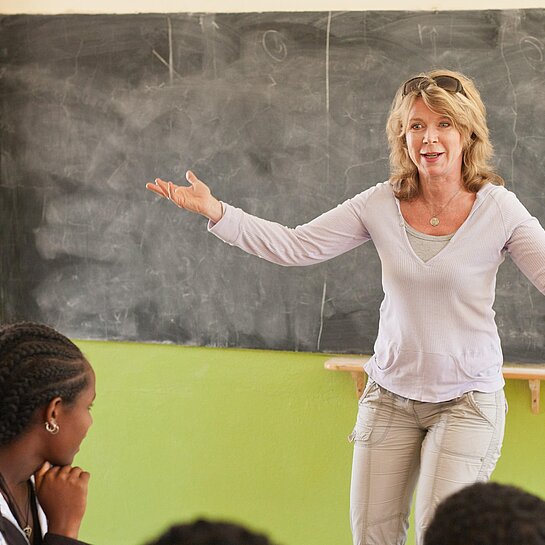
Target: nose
[(430, 136)]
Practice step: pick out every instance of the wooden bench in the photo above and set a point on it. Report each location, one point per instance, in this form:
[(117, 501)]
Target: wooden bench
[(533, 373)]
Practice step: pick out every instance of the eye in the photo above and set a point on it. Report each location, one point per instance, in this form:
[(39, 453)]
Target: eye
[(416, 126), (444, 124)]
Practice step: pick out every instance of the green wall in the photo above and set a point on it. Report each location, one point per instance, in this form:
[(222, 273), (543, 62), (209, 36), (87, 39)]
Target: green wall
[(252, 436)]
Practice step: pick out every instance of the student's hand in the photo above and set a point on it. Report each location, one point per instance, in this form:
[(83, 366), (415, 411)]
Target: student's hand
[(62, 493), (195, 197)]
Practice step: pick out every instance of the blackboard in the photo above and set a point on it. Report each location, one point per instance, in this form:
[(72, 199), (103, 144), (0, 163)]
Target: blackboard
[(283, 114)]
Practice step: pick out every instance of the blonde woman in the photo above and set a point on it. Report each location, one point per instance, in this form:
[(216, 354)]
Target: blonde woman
[(433, 411)]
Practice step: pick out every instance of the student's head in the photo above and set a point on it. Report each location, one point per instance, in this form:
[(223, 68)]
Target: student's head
[(454, 96), (203, 532), (46, 389), (488, 514)]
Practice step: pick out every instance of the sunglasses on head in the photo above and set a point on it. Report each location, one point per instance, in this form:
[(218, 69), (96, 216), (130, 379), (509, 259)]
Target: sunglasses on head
[(448, 83)]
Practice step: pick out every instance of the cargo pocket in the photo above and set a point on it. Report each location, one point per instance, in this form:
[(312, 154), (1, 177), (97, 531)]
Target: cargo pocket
[(366, 431)]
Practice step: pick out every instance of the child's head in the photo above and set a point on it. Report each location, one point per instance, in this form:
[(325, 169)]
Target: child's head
[(46, 386), (203, 532), (488, 514)]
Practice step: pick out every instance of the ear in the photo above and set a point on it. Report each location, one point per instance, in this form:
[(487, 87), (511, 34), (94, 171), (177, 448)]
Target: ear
[(52, 409)]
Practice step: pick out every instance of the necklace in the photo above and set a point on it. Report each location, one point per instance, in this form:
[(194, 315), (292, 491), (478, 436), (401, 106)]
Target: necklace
[(23, 523), (434, 220)]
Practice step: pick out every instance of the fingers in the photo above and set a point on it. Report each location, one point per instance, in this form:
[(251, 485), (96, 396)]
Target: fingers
[(39, 475), (164, 189), (155, 189), (191, 178), (70, 473), (61, 476), (60, 472), (160, 187)]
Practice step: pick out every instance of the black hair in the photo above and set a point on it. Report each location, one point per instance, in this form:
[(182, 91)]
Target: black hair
[(37, 364), (204, 532), (488, 514)]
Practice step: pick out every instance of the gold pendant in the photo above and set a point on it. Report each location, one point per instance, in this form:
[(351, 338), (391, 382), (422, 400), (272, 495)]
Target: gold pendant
[(434, 221), (28, 531)]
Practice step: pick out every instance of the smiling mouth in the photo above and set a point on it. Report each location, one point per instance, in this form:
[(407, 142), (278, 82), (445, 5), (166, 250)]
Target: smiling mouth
[(431, 155)]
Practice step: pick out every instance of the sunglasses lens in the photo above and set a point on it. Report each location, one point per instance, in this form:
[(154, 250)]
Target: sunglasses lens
[(448, 83), (413, 85)]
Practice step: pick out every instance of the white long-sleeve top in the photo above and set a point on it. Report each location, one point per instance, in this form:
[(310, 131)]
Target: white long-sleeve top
[(437, 337)]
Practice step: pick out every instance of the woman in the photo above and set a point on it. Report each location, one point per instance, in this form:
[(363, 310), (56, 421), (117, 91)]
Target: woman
[(433, 410), (47, 388)]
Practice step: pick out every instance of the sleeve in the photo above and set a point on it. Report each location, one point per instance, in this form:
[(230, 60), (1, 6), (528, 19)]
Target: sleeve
[(55, 539), (327, 236), (526, 244)]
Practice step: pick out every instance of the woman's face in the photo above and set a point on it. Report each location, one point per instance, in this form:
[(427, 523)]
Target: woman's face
[(74, 421), (434, 144)]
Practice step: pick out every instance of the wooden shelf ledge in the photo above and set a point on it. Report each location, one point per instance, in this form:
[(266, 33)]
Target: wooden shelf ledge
[(533, 373)]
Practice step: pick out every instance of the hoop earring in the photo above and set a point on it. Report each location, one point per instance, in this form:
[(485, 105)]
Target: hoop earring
[(52, 427)]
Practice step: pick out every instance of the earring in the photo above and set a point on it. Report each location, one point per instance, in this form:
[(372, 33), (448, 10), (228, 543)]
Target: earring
[(52, 427)]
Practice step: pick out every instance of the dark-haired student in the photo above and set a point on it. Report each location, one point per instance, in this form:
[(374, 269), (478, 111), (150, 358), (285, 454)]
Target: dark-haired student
[(204, 532), (47, 388), (488, 514)]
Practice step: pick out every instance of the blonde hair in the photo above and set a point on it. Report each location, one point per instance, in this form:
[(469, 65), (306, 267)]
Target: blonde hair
[(468, 116)]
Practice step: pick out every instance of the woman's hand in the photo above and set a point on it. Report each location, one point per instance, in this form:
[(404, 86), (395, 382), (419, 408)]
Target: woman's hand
[(62, 493), (195, 198)]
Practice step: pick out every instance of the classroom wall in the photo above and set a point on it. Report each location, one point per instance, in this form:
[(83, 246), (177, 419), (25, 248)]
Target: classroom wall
[(253, 436), (218, 6)]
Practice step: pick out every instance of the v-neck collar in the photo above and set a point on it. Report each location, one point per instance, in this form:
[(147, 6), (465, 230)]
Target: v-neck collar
[(479, 198)]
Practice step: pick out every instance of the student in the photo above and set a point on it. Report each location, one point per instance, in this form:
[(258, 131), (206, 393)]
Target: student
[(203, 532), (47, 388), (488, 514), (433, 410)]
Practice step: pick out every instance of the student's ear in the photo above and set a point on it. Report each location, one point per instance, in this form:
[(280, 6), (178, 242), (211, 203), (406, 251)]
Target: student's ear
[(52, 411)]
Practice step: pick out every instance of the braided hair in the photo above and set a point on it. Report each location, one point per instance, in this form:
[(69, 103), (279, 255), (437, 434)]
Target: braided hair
[(488, 514), (37, 364)]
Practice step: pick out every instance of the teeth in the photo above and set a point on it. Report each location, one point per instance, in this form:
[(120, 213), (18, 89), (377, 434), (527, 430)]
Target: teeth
[(431, 154)]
